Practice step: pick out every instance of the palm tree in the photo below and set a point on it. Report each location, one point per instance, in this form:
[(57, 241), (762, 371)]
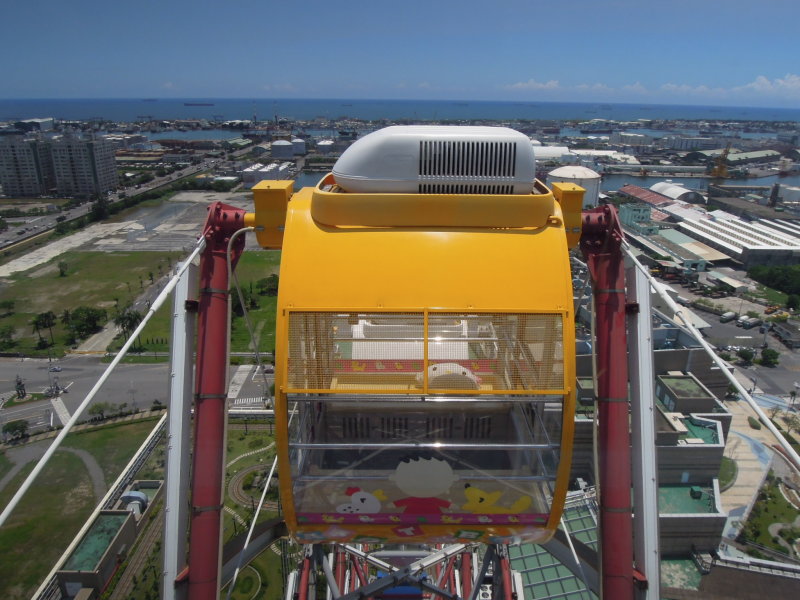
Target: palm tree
[(48, 319)]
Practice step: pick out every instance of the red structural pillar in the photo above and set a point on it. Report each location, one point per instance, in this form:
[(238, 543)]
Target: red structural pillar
[(210, 397), (601, 243)]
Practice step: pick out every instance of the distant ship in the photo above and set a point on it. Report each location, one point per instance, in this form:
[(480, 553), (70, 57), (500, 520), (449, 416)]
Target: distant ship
[(198, 104)]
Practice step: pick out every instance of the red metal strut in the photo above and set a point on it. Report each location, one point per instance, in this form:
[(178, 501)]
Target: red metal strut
[(601, 244), (210, 398)]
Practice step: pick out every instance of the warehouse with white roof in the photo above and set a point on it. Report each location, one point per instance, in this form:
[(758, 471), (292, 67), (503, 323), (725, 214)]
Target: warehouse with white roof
[(750, 243)]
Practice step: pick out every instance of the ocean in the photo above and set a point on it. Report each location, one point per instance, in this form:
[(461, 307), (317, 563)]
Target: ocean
[(129, 110)]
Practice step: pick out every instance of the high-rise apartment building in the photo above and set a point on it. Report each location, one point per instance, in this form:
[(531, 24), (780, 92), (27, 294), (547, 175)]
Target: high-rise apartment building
[(84, 168), (26, 166)]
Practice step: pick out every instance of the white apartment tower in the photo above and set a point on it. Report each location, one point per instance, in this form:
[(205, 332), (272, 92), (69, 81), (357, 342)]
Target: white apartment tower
[(84, 168)]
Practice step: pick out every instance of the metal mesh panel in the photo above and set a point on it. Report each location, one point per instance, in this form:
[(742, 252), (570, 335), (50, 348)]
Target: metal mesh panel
[(484, 353)]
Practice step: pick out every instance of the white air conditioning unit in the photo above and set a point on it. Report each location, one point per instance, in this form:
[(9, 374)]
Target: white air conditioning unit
[(429, 159)]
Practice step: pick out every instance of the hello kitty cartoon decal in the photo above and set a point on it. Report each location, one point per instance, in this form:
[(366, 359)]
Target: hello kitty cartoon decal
[(361, 502)]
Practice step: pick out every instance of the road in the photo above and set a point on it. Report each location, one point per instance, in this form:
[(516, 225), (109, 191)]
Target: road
[(136, 385), (37, 225)]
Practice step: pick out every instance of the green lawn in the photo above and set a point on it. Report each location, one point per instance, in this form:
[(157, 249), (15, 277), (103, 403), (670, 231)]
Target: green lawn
[(727, 473), (95, 279), (772, 296), (41, 528), (253, 265), (58, 503), (5, 465), (112, 445)]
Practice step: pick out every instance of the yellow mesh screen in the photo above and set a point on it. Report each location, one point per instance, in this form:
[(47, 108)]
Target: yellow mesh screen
[(485, 353)]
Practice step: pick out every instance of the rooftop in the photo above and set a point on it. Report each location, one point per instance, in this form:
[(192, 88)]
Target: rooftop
[(678, 500), (543, 576), (94, 544), (684, 386)]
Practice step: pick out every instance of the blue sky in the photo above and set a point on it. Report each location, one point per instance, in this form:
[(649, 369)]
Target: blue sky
[(730, 52)]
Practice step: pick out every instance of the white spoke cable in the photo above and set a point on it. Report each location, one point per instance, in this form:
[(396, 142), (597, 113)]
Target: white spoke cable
[(717, 360), (232, 277), (12, 504), (252, 528)]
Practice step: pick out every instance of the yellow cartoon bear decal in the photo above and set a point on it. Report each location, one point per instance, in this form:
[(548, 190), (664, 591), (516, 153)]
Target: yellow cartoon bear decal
[(481, 502)]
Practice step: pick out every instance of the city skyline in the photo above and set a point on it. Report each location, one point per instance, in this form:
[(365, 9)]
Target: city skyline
[(727, 54)]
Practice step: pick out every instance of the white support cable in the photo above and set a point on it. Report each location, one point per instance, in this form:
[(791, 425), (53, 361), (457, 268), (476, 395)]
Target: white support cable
[(575, 557), (250, 532), (717, 360), (12, 504)]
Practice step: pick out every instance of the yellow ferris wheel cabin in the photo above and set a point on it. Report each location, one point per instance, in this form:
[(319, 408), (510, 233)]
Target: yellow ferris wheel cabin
[(425, 340)]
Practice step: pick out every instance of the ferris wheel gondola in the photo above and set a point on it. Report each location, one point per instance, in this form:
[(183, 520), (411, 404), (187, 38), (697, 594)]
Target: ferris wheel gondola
[(424, 340)]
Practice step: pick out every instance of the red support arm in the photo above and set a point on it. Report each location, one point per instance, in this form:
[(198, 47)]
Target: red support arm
[(601, 244), (210, 399)]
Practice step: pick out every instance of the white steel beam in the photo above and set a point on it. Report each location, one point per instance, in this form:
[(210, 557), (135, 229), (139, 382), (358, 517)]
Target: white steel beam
[(646, 553), (179, 424)]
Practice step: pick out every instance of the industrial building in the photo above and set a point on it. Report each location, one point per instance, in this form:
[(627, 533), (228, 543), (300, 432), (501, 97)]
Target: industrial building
[(750, 243), (678, 192)]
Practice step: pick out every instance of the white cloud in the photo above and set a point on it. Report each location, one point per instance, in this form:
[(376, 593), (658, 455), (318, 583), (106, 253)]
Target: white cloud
[(168, 85), (532, 84), (593, 87), (788, 86), (636, 88)]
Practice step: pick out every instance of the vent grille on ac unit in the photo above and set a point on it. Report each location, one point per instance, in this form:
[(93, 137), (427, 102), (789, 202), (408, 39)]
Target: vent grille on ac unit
[(465, 188), (467, 158)]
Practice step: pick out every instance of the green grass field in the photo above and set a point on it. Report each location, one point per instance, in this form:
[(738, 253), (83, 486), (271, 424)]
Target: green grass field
[(58, 503), (96, 279), (253, 265), (38, 532)]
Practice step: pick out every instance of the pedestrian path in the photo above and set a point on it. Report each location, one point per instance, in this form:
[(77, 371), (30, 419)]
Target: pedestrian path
[(238, 380), (251, 401), (60, 410)]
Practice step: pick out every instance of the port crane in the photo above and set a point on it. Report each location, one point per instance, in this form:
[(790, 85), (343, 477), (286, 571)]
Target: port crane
[(720, 170)]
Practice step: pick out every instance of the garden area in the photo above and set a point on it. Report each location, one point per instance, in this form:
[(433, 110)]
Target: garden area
[(773, 523)]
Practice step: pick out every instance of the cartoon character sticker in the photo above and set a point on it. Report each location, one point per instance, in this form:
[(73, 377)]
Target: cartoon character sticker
[(423, 480), (481, 502), (361, 502)]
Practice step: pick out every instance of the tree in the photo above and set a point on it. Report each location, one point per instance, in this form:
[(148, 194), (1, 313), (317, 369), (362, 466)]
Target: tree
[(37, 326), (6, 337), (746, 354), (100, 210), (62, 268), (793, 422), (769, 357), (7, 306), (86, 320), (16, 429), (128, 320), (268, 286), (99, 409), (47, 320), (793, 301)]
